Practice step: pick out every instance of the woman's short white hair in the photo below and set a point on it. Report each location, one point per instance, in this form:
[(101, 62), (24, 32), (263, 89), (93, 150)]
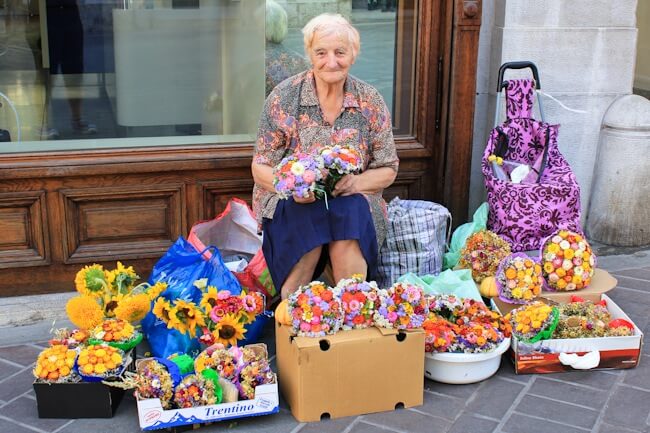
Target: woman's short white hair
[(328, 24), (276, 22)]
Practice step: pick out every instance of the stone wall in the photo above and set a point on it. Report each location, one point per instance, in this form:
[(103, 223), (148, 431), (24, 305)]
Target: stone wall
[(585, 52), (301, 11)]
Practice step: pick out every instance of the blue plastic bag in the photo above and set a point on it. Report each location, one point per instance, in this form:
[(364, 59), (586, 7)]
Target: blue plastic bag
[(180, 267)]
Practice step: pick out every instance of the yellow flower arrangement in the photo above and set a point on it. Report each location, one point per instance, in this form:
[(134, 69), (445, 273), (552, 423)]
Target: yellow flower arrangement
[(111, 291), (99, 360), (84, 311), (228, 330), (54, 363)]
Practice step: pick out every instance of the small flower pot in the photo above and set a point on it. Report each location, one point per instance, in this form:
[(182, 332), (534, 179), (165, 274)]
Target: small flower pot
[(460, 368)]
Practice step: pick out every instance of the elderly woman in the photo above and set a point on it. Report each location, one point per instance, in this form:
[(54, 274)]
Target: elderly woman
[(319, 107)]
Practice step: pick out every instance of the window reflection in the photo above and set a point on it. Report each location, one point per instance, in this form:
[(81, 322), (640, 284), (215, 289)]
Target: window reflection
[(113, 73)]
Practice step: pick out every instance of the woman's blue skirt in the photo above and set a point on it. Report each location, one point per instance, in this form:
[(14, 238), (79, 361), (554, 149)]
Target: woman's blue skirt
[(297, 229)]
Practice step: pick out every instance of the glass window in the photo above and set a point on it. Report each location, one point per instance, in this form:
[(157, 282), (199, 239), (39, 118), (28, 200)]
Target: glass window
[(85, 74)]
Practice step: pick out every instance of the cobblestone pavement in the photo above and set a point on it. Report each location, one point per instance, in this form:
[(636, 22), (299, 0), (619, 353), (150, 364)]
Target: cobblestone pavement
[(616, 401)]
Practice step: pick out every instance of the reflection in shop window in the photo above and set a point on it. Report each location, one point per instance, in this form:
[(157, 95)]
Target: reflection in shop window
[(104, 74)]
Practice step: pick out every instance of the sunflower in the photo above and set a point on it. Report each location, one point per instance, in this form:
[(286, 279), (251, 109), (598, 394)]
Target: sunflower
[(163, 310), (188, 316), (154, 291), (91, 279), (209, 299), (228, 331), (84, 311), (122, 278), (111, 302), (133, 308)]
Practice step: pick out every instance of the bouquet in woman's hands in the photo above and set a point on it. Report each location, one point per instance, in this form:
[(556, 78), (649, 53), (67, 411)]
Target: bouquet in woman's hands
[(298, 174), (339, 161)]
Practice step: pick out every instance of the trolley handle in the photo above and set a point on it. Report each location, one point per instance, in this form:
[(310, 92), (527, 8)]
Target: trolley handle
[(517, 65)]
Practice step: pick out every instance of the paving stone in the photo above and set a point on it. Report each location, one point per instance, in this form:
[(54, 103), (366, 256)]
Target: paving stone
[(639, 273), (608, 428), (7, 370), (16, 385), (461, 391), (23, 355), (442, 406), (519, 423), (628, 407), (494, 397), (634, 304), (328, 425), (507, 370), (639, 376), (24, 409), (561, 412), (469, 424), (595, 379), (362, 427), (10, 427), (408, 421), (569, 393), (632, 283)]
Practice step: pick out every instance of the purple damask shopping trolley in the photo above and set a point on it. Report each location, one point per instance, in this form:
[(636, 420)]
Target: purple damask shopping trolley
[(531, 189)]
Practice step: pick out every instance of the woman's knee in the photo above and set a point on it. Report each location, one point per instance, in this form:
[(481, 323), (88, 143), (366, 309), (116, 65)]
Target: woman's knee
[(346, 246)]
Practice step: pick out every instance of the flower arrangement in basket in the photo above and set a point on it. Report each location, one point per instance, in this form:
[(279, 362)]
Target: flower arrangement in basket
[(402, 306), (585, 319), (339, 161), (359, 300), (568, 261), (315, 310), (220, 315), (108, 294), (482, 253), (298, 174), (462, 326), (519, 279)]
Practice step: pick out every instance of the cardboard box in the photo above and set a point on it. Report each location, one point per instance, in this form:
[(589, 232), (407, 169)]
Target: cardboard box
[(153, 417), (350, 373), (77, 400), (555, 355)]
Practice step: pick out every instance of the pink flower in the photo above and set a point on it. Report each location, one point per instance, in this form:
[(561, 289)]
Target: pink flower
[(315, 320), (392, 316), (224, 294), (216, 314), (249, 303), (354, 305), (305, 327), (309, 176)]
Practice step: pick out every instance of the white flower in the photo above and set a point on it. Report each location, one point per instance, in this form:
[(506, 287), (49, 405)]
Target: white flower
[(578, 270), (565, 245), (556, 239), (297, 169), (549, 257), (567, 264)]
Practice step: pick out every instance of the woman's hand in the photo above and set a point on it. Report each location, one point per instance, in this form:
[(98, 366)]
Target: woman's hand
[(348, 185), (304, 200), (369, 182)]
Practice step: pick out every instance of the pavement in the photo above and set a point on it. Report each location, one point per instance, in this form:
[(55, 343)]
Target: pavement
[(614, 401)]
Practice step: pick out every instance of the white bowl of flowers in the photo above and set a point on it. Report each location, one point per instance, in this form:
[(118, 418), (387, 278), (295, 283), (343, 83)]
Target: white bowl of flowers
[(460, 368)]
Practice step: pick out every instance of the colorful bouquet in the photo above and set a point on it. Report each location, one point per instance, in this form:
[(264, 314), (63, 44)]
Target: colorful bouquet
[(153, 379), (340, 160), (359, 300), (482, 253), (224, 361), (586, 319), (298, 174), (193, 391), (315, 310), (220, 315), (568, 261), (534, 322), (100, 362), (252, 374), (519, 279), (117, 333), (402, 306), (55, 364), (463, 325), (107, 294)]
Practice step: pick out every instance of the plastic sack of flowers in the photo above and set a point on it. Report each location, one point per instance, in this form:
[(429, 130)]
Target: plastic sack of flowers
[(534, 322), (568, 262), (117, 333), (402, 306), (100, 362), (519, 279), (315, 310), (55, 364), (359, 300), (482, 253)]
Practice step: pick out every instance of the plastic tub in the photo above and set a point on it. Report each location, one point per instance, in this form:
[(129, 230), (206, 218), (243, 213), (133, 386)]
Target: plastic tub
[(458, 368)]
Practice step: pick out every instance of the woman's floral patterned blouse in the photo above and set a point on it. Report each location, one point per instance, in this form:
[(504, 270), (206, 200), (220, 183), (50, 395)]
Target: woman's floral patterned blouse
[(292, 121)]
